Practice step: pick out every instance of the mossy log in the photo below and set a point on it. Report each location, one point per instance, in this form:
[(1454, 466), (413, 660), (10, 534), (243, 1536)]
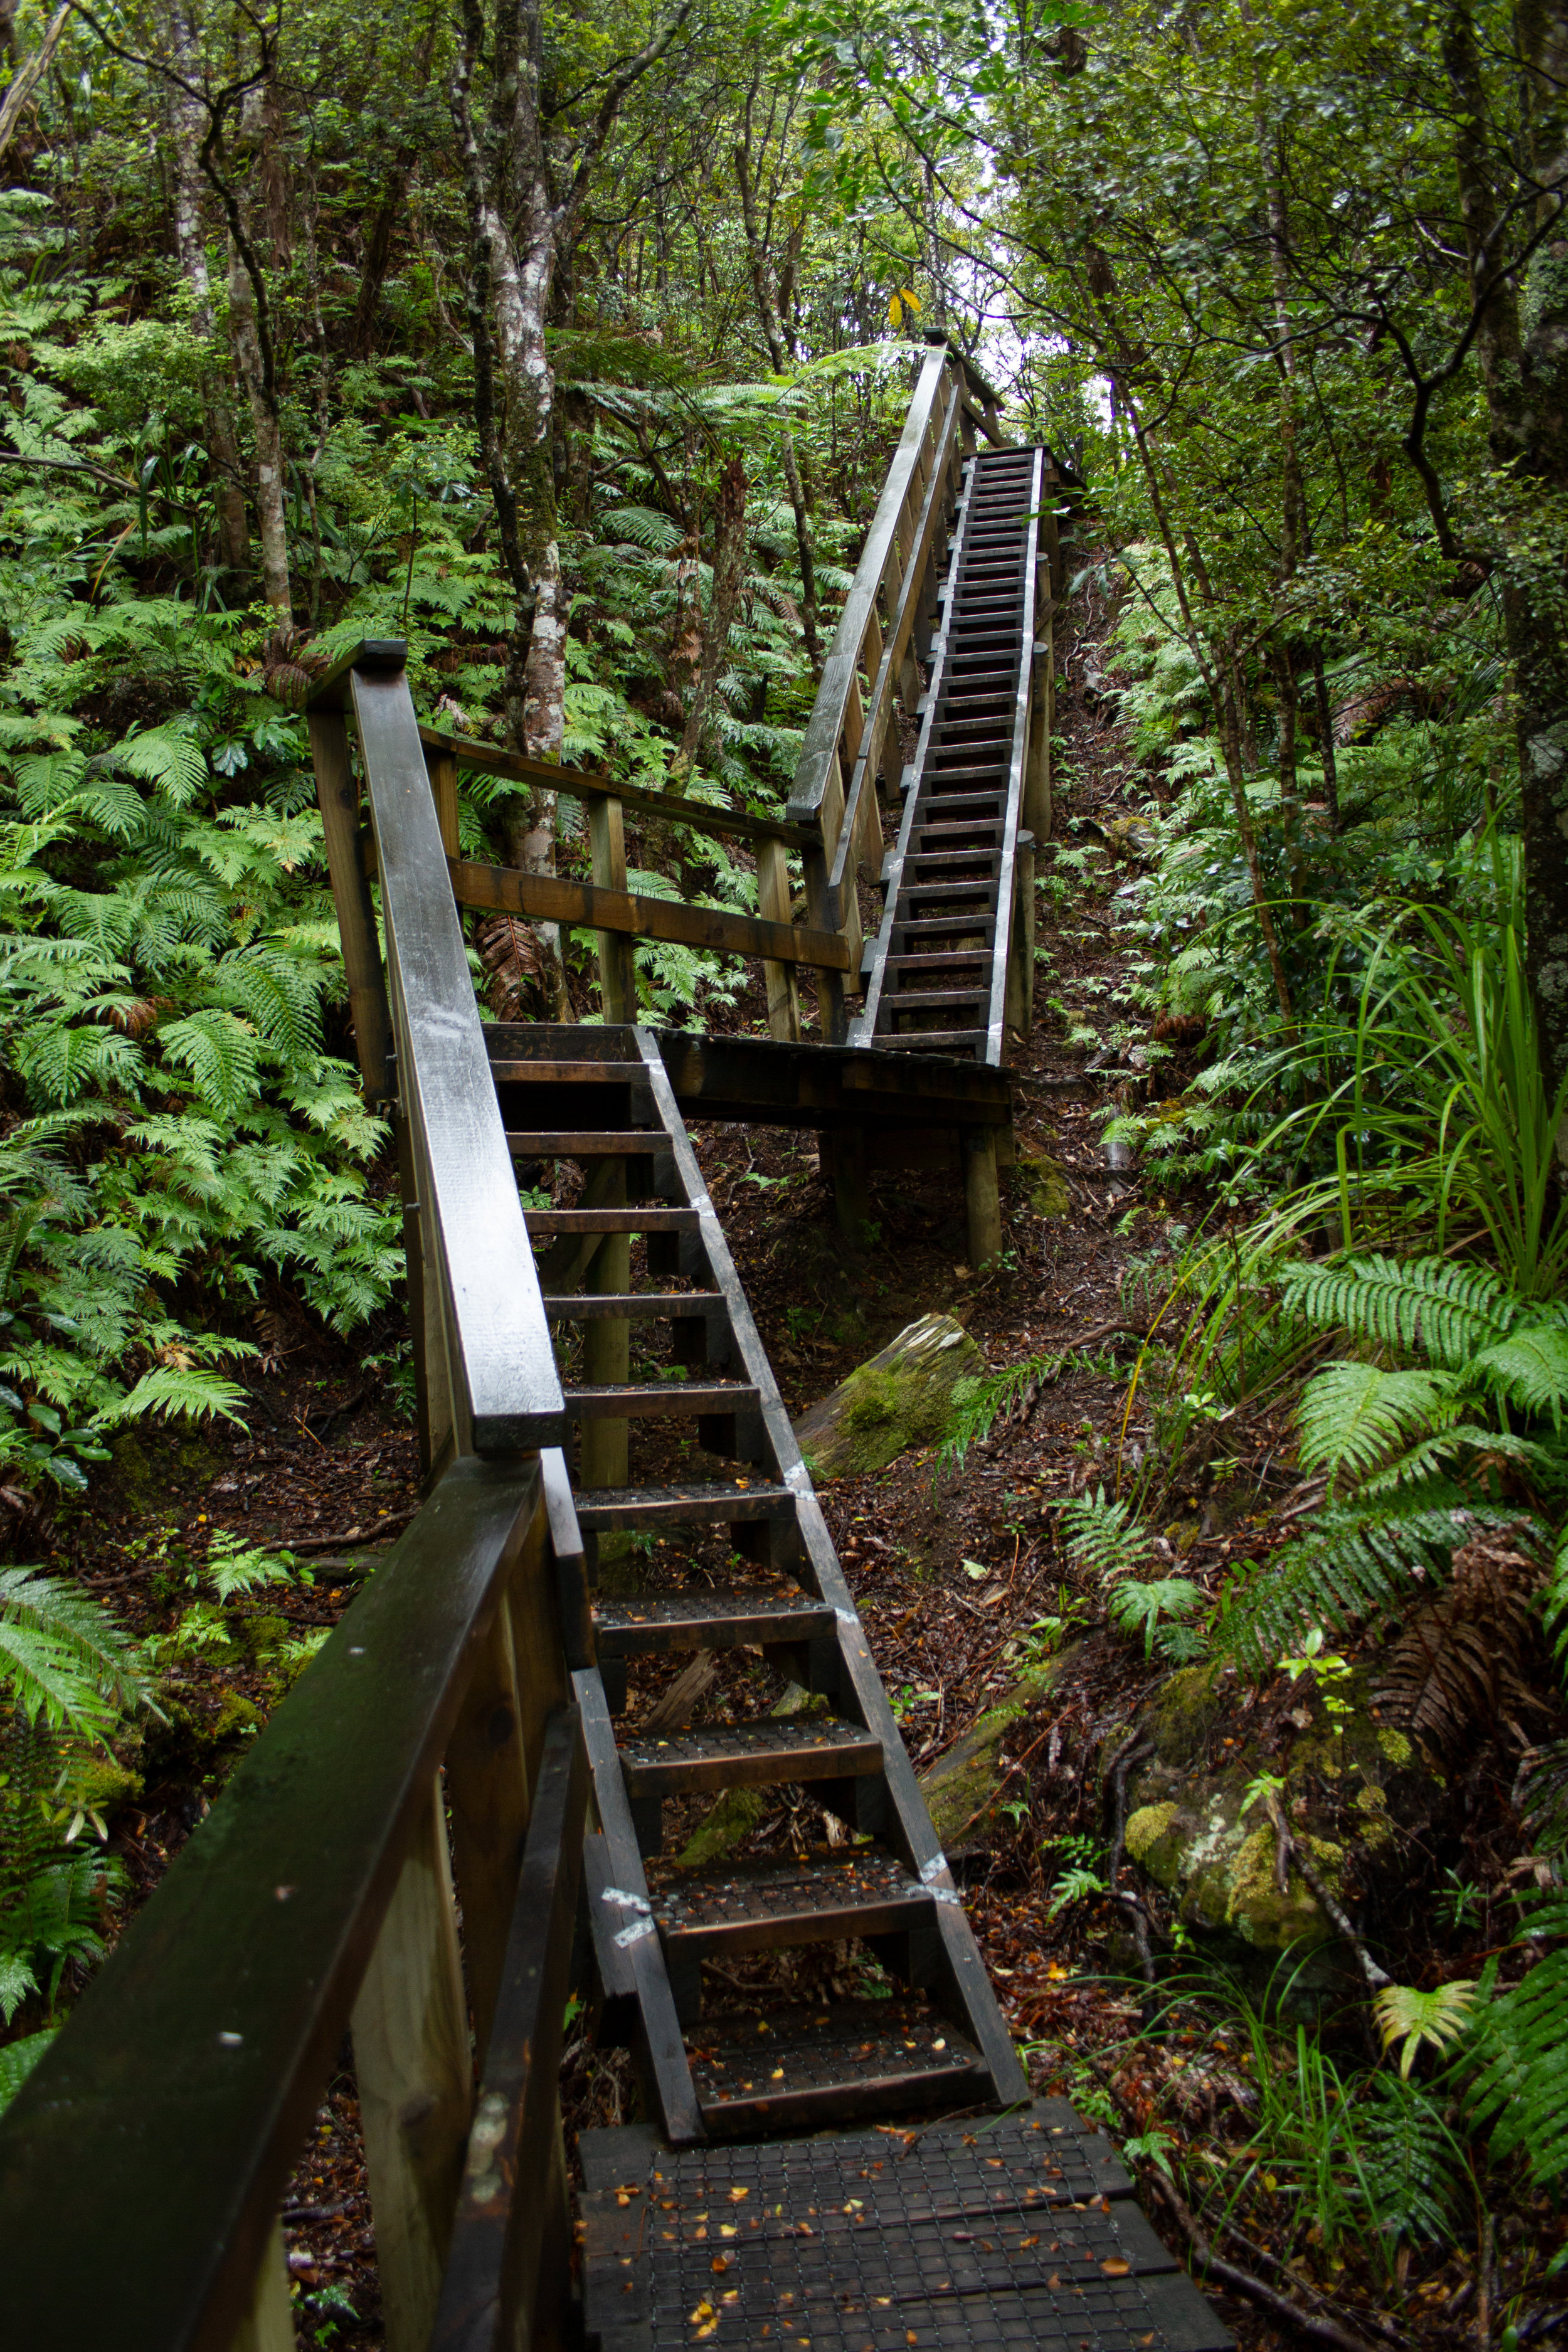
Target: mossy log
[(900, 1398)]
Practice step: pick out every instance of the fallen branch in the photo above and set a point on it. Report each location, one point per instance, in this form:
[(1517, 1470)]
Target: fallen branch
[(1287, 1853), (1132, 1751), (346, 1535)]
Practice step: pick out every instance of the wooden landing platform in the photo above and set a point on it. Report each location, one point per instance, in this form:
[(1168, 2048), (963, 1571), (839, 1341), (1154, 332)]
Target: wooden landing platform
[(1012, 2230)]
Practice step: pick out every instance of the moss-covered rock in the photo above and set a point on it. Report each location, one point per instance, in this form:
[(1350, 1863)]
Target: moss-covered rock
[(898, 1398), (1352, 1789), (963, 1787), (1045, 1184)]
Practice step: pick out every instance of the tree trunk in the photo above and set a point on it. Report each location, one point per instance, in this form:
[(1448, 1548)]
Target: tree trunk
[(1522, 346), (728, 577), (269, 510), (186, 127)]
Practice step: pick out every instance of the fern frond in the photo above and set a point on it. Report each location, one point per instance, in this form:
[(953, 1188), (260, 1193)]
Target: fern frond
[(17, 2061), (1432, 1305), (56, 1643), (1522, 2043), (1352, 1415), (1357, 1565), (1529, 1368), (1103, 1536)]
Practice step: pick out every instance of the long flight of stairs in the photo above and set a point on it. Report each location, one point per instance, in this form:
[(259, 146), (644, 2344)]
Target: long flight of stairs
[(686, 1565), (937, 978)]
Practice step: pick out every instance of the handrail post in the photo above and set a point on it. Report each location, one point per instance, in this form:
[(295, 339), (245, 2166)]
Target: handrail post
[(338, 798), (618, 966), (774, 906), (268, 2325), (414, 2079)]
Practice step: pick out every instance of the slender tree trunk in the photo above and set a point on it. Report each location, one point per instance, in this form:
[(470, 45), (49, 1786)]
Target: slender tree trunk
[(186, 126), (1326, 738), (778, 351), (1522, 347), (729, 575), (270, 508)]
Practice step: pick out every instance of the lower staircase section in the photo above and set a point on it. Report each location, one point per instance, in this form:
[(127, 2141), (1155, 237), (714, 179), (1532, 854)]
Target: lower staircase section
[(841, 2150), (776, 1931), (1019, 2230)]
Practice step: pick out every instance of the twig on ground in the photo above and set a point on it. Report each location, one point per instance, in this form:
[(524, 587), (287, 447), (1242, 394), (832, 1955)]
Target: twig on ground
[(373, 1533), (1333, 1911)]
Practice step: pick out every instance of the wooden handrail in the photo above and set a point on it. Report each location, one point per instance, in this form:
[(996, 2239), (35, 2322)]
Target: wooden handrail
[(497, 1391), (191, 2066), (824, 729), (590, 784), (880, 711), (558, 898)]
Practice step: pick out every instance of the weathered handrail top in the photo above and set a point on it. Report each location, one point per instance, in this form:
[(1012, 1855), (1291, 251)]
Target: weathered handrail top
[(986, 391), (592, 784), (196, 2057), (502, 1373), (826, 725)]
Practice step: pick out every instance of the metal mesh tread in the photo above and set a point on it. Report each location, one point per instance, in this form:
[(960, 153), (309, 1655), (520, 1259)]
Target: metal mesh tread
[(756, 1905), (793, 2067), (730, 1755), (710, 1621), (1008, 2231)]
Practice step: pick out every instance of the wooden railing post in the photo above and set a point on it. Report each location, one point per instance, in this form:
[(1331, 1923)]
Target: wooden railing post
[(774, 906), (268, 2325), (443, 767), (415, 2078), (488, 1789), (1020, 1011), (981, 1196), (339, 800), (617, 965)]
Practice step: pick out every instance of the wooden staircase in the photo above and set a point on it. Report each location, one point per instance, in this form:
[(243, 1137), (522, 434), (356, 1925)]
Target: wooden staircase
[(938, 975), (744, 1565)]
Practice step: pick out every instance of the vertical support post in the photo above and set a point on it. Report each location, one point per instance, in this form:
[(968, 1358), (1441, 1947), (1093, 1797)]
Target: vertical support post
[(443, 767), (1020, 1006), (414, 2080), (618, 967), (487, 1788), (339, 800), (606, 1346), (844, 1154), (539, 1656), (981, 1196), (1037, 761), (774, 906), (268, 2325), (420, 1335)]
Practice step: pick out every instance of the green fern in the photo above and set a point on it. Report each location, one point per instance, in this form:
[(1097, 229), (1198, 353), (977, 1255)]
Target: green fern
[(1103, 1537), (17, 2061), (1431, 1306), (1521, 2042), (1352, 1416), (62, 1661)]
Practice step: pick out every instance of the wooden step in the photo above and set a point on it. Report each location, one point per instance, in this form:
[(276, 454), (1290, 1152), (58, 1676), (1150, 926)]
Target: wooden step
[(664, 1400), (713, 1756), (506, 1068), (798, 2068), (933, 1041), (936, 960), (612, 1221), (633, 1306), (747, 1500), (584, 1142), (709, 1620), (928, 999), (759, 1907)]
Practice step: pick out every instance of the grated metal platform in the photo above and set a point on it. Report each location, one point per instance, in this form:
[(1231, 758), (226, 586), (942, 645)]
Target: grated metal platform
[(1012, 2230)]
